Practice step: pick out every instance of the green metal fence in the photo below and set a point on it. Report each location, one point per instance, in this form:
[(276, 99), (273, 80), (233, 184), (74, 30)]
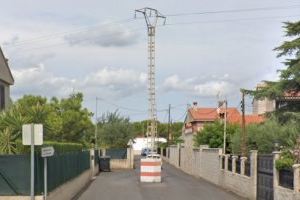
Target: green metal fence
[(15, 171), (14, 174), (117, 153), (63, 167)]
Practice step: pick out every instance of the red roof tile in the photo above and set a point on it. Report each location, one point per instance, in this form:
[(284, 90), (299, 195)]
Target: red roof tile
[(212, 114)]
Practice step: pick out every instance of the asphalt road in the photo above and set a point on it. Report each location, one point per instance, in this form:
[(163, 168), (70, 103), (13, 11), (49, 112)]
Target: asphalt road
[(176, 185)]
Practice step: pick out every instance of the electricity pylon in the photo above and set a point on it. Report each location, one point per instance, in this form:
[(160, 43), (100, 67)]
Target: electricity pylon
[(151, 17)]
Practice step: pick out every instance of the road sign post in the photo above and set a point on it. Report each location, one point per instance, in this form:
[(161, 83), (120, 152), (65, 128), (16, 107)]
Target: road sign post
[(32, 134), (46, 152), (32, 161)]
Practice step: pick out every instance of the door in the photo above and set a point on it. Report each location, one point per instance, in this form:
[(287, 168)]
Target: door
[(265, 177)]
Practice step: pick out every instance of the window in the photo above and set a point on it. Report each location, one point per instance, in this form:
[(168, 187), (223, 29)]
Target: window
[(2, 97)]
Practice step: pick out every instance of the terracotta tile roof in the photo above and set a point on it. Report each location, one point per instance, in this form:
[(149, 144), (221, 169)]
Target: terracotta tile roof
[(254, 119), (233, 115), (203, 114), (212, 114)]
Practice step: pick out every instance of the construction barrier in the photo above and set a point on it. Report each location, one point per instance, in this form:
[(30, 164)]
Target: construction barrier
[(151, 170)]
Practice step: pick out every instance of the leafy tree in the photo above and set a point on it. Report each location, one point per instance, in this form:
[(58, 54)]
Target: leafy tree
[(212, 134), (76, 121), (140, 128), (289, 77), (264, 136), (176, 132), (114, 130), (64, 120)]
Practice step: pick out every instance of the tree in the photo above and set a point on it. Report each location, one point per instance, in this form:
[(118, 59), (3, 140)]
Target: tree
[(264, 136), (212, 134), (7, 142), (176, 132), (289, 77), (76, 121), (64, 120), (114, 130)]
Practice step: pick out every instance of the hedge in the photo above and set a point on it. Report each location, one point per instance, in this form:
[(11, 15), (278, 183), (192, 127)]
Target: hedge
[(60, 147)]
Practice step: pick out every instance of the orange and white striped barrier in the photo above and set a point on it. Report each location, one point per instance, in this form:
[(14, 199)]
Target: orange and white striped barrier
[(151, 170)]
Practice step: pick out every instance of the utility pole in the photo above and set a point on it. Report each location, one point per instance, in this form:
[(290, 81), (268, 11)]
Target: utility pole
[(151, 17), (96, 121), (243, 138), (225, 126), (169, 123)]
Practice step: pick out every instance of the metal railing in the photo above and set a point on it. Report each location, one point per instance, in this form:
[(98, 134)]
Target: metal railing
[(286, 178)]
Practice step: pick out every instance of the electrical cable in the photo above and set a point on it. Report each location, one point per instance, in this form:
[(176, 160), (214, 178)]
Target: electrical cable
[(234, 10)]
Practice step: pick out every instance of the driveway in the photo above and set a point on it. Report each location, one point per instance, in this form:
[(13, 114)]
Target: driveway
[(176, 185)]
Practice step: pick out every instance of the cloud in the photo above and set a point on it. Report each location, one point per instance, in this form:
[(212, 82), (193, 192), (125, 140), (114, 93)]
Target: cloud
[(105, 35), (197, 87), (105, 82)]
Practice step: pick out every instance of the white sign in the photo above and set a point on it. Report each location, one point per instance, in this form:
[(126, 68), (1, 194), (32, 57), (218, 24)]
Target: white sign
[(47, 152), (37, 134)]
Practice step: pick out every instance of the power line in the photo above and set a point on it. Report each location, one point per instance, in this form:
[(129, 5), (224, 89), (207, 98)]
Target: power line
[(230, 20), (87, 28), (63, 33), (168, 24), (234, 10), (63, 43)]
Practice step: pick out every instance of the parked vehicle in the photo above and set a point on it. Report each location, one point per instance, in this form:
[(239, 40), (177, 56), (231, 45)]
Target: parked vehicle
[(146, 151)]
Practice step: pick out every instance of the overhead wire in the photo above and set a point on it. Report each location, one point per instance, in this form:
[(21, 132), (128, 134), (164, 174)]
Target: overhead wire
[(88, 27), (229, 20), (63, 33), (235, 10)]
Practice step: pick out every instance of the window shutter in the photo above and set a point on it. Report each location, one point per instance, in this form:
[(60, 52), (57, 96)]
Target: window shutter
[(2, 97)]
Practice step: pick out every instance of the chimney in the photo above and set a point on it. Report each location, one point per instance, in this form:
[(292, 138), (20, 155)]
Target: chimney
[(195, 105)]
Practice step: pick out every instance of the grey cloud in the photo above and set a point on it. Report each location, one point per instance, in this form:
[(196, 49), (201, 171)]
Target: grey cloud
[(106, 35), (197, 87), (104, 82)]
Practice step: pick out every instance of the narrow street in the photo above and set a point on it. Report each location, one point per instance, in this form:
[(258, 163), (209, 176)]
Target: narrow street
[(176, 185)]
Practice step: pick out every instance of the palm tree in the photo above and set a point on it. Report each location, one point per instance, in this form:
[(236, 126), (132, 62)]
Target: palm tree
[(7, 142)]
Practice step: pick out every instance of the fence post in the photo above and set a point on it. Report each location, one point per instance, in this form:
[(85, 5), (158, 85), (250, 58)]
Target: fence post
[(243, 161), (130, 158), (221, 161), (234, 164), (253, 171), (226, 162), (296, 168), (276, 156), (92, 161)]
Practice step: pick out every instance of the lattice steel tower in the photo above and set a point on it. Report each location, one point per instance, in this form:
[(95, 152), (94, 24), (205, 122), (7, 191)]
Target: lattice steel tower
[(151, 17)]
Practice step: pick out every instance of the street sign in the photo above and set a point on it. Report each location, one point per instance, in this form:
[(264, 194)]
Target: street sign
[(36, 129), (47, 152)]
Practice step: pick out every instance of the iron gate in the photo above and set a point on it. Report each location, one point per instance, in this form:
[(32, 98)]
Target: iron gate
[(265, 177)]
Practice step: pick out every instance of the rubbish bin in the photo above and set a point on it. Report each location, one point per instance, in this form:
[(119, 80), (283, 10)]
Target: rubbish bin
[(104, 164)]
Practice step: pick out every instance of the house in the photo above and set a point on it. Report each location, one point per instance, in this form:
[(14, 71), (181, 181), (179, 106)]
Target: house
[(261, 106), (197, 117), (6, 80), (140, 143)]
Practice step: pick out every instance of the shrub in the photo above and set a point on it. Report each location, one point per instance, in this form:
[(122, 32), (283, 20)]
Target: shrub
[(286, 161), (59, 147)]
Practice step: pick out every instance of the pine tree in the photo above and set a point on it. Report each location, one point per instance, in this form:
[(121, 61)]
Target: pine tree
[(289, 81)]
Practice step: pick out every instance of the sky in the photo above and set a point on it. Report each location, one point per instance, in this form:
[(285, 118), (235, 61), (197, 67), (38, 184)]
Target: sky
[(206, 52)]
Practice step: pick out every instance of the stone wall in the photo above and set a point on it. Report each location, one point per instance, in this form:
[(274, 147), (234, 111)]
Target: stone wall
[(207, 163), (127, 163)]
